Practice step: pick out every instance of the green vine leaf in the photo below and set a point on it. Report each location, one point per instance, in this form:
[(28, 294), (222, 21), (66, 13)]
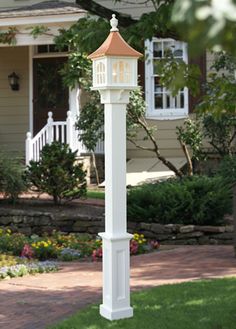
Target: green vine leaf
[(9, 37), (38, 30)]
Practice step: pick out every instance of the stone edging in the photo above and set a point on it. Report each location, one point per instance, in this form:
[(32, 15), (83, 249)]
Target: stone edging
[(37, 222)]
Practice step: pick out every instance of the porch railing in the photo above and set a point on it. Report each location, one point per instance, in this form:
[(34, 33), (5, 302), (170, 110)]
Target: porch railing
[(62, 131)]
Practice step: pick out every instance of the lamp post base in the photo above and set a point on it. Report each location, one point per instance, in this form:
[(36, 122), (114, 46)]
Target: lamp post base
[(116, 292), (117, 314)]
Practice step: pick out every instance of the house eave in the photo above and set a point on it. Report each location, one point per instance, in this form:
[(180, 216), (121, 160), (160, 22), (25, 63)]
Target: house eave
[(35, 20)]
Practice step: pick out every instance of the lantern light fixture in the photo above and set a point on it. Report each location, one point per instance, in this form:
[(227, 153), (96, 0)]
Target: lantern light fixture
[(114, 62), (13, 80)]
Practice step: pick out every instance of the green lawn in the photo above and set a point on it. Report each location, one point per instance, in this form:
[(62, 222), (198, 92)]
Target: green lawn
[(209, 304), (96, 194)]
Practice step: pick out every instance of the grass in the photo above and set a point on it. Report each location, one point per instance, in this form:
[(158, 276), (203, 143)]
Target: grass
[(96, 195), (208, 304)]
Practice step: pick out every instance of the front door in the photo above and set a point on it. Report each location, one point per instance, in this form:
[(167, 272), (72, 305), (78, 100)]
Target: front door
[(49, 94)]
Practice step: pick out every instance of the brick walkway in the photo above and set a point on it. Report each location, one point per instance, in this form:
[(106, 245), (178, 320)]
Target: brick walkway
[(35, 301)]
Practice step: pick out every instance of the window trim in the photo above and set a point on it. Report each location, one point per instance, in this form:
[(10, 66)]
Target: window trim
[(162, 114)]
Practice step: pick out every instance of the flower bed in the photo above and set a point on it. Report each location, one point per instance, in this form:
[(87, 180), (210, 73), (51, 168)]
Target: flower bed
[(64, 247), (27, 268), (12, 266)]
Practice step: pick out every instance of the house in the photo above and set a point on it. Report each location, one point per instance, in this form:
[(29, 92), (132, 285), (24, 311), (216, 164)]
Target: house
[(36, 62)]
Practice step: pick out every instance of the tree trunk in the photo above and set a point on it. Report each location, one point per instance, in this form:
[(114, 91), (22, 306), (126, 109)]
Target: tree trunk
[(188, 158), (95, 167)]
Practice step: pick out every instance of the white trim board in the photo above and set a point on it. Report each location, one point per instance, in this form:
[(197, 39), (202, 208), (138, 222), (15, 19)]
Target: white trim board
[(36, 20)]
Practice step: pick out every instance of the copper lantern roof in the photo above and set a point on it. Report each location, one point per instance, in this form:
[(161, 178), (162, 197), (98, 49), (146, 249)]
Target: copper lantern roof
[(114, 45)]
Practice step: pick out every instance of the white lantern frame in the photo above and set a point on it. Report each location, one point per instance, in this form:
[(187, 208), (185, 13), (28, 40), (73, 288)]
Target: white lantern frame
[(115, 72)]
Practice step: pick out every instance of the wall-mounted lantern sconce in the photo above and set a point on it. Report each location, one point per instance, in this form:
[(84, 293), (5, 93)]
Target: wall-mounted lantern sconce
[(13, 80)]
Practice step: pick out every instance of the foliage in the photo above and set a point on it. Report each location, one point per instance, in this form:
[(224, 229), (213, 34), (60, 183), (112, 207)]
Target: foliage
[(12, 242), (227, 169), (178, 306), (215, 20), (175, 74), (76, 71), (220, 132), (197, 200), (91, 121), (191, 139), (219, 95), (57, 173), (38, 30), (11, 177), (9, 37)]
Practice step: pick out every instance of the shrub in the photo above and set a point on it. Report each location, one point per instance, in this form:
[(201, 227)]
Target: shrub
[(11, 177), (227, 169), (198, 200), (12, 242), (57, 174)]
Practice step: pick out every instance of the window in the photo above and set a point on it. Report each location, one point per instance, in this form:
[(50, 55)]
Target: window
[(45, 49), (160, 103)]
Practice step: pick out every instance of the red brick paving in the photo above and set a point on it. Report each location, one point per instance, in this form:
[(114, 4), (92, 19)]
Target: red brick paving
[(33, 302)]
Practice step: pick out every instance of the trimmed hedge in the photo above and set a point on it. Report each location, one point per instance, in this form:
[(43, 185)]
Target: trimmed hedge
[(197, 200)]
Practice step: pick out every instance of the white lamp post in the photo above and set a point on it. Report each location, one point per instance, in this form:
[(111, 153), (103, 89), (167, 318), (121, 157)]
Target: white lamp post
[(115, 75)]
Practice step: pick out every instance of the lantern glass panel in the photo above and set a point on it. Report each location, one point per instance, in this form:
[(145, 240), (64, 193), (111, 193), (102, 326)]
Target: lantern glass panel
[(100, 73), (121, 72)]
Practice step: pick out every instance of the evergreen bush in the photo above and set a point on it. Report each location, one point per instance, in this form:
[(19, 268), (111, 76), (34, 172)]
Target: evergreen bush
[(57, 173), (11, 177), (227, 169), (198, 200)]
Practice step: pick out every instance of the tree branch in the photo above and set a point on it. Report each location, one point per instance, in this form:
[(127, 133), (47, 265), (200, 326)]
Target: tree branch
[(142, 122), (188, 158), (104, 12), (140, 146)]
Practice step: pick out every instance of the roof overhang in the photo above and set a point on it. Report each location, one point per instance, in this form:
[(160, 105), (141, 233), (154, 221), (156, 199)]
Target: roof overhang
[(53, 15), (37, 20)]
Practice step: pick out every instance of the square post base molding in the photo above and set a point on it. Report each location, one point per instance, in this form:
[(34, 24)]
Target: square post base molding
[(116, 264)]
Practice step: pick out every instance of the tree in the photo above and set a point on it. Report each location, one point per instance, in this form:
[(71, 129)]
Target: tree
[(82, 38), (88, 34)]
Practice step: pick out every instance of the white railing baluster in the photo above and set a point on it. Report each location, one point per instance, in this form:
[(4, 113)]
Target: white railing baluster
[(28, 148), (69, 130), (57, 132), (63, 134), (50, 128)]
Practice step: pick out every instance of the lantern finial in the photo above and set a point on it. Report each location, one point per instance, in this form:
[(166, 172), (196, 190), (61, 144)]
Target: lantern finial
[(114, 23)]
